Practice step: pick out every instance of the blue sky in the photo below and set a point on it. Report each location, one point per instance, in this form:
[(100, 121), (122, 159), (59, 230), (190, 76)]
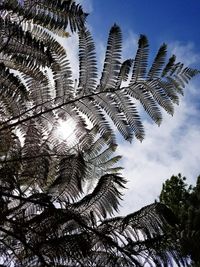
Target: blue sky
[(173, 147), (161, 21)]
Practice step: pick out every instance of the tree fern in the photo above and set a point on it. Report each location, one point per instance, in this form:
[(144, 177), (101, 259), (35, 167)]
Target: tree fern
[(109, 96), (57, 197)]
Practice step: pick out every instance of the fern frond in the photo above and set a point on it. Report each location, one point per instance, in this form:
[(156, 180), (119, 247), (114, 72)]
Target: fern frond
[(24, 65), (69, 178), (55, 16), (102, 157), (39, 92), (124, 72), (143, 235), (108, 104), (168, 66), (32, 143), (187, 74), (159, 95), (127, 107), (10, 149), (62, 76), (176, 84), (97, 145), (147, 101), (87, 64), (169, 91), (96, 116), (41, 34), (12, 96), (183, 75), (11, 84), (99, 161), (108, 258), (158, 63), (140, 61), (112, 59), (105, 197), (15, 40)]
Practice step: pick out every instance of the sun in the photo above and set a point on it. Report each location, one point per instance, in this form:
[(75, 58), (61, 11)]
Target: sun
[(66, 130)]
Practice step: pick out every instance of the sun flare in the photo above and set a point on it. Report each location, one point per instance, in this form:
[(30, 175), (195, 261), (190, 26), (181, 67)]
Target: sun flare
[(66, 130)]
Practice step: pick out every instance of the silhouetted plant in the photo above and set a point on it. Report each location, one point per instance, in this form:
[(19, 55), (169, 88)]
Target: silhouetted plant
[(184, 201), (56, 195)]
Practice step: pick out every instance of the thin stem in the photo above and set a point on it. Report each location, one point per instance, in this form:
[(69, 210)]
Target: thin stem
[(7, 126)]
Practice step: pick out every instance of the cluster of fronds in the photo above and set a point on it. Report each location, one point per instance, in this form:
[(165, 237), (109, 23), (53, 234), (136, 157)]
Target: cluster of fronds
[(49, 216), (55, 195), (30, 50), (37, 233), (53, 15)]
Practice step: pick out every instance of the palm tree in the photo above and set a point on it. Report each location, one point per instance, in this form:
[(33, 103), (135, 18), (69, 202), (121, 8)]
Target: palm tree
[(57, 196)]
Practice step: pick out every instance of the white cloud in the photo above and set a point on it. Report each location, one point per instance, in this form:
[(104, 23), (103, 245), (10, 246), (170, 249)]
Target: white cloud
[(130, 45), (86, 4), (184, 53), (169, 149), (71, 45)]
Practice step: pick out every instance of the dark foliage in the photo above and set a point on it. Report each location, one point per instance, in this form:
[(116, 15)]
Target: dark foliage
[(57, 195), (184, 201)]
